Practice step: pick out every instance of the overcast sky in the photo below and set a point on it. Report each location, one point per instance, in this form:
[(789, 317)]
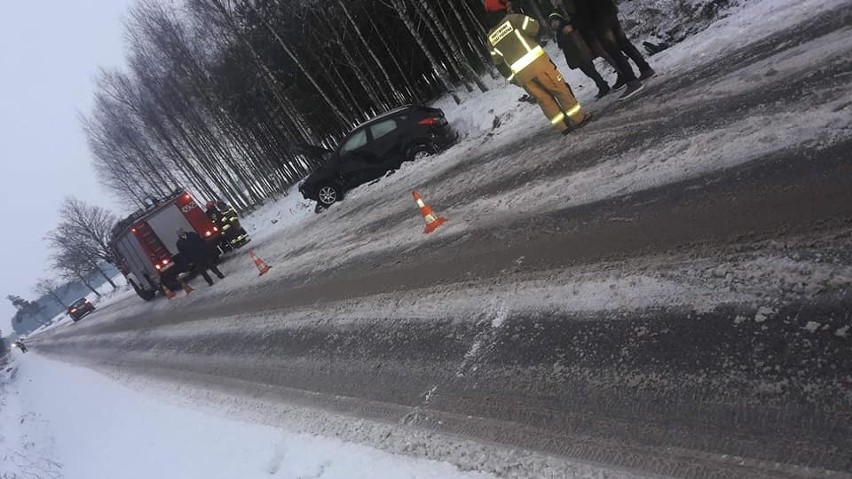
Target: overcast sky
[(50, 51)]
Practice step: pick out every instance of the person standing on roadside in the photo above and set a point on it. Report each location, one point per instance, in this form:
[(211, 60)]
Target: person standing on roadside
[(20, 345), (601, 17), (577, 52), (519, 57), (199, 253)]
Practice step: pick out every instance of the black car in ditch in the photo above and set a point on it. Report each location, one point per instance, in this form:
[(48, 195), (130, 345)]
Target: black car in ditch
[(377, 147)]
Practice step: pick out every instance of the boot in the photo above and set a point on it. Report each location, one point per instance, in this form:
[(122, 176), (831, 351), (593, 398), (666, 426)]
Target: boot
[(571, 127), (603, 90), (647, 73), (633, 88)]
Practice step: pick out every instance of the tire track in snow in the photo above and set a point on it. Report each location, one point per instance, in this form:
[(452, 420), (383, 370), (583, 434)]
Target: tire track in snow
[(481, 347)]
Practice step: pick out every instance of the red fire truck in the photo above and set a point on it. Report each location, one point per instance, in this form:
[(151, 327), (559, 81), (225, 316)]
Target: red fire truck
[(144, 243)]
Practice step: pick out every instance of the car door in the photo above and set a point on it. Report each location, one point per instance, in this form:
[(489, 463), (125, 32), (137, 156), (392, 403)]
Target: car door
[(353, 165), (385, 142)]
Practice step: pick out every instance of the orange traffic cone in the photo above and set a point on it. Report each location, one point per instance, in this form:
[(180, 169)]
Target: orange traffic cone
[(432, 221), (186, 287), (261, 266), (168, 292)]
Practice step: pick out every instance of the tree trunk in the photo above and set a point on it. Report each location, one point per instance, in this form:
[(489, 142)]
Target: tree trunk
[(58, 299), (454, 48), (390, 84), (86, 283), (399, 6), (477, 42), (106, 276), (340, 116), (412, 91)]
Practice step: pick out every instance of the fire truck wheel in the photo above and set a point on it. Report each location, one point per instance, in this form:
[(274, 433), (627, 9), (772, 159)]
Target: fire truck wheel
[(145, 294)]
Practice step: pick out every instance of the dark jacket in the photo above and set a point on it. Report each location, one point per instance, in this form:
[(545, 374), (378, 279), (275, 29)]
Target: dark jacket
[(598, 15), (580, 14), (194, 248), (572, 44)]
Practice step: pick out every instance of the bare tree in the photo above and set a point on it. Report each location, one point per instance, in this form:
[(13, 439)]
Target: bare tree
[(217, 94), (74, 266), (50, 288), (75, 260), (89, 225)]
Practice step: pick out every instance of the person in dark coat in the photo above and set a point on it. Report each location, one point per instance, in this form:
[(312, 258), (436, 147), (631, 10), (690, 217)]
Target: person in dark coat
[(197, 251), (576, 50), (601, 18)]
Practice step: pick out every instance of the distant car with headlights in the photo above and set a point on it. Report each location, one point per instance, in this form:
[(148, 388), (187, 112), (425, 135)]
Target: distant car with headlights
[(80, 308)]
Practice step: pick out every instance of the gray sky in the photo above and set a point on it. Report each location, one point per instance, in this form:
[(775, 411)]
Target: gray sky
[(49, 54)]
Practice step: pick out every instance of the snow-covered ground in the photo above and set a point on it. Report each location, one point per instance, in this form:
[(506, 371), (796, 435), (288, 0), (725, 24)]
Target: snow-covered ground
[(61, 421), (292, 239), (108, 295), (70, 422)]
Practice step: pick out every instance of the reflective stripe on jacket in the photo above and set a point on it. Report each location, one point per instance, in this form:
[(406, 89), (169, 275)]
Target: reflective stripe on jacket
[(513, 43)]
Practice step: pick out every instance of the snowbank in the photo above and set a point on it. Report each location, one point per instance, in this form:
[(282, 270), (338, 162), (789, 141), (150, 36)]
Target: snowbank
[(63, 421)]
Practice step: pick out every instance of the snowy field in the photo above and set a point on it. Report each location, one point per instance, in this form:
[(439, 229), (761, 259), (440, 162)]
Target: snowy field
[(60, 421)]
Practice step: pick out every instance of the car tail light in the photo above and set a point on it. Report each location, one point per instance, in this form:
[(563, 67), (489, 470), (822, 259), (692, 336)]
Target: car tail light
[(215, 228), (165, 261), (157, 266), (429, 121), (73, 310), (208, 233)]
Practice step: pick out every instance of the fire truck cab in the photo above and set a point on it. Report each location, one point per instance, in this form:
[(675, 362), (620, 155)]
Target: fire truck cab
[(144, 244)]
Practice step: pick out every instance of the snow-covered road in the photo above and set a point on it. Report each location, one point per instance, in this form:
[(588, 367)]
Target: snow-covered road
[(668, 289)]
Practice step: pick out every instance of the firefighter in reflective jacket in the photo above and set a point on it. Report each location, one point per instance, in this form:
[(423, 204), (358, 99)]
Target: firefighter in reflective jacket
[(225, 218), (519, 57)]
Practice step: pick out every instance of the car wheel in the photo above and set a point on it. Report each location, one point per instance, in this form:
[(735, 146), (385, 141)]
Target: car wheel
[(328, 194), (418, 152)]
